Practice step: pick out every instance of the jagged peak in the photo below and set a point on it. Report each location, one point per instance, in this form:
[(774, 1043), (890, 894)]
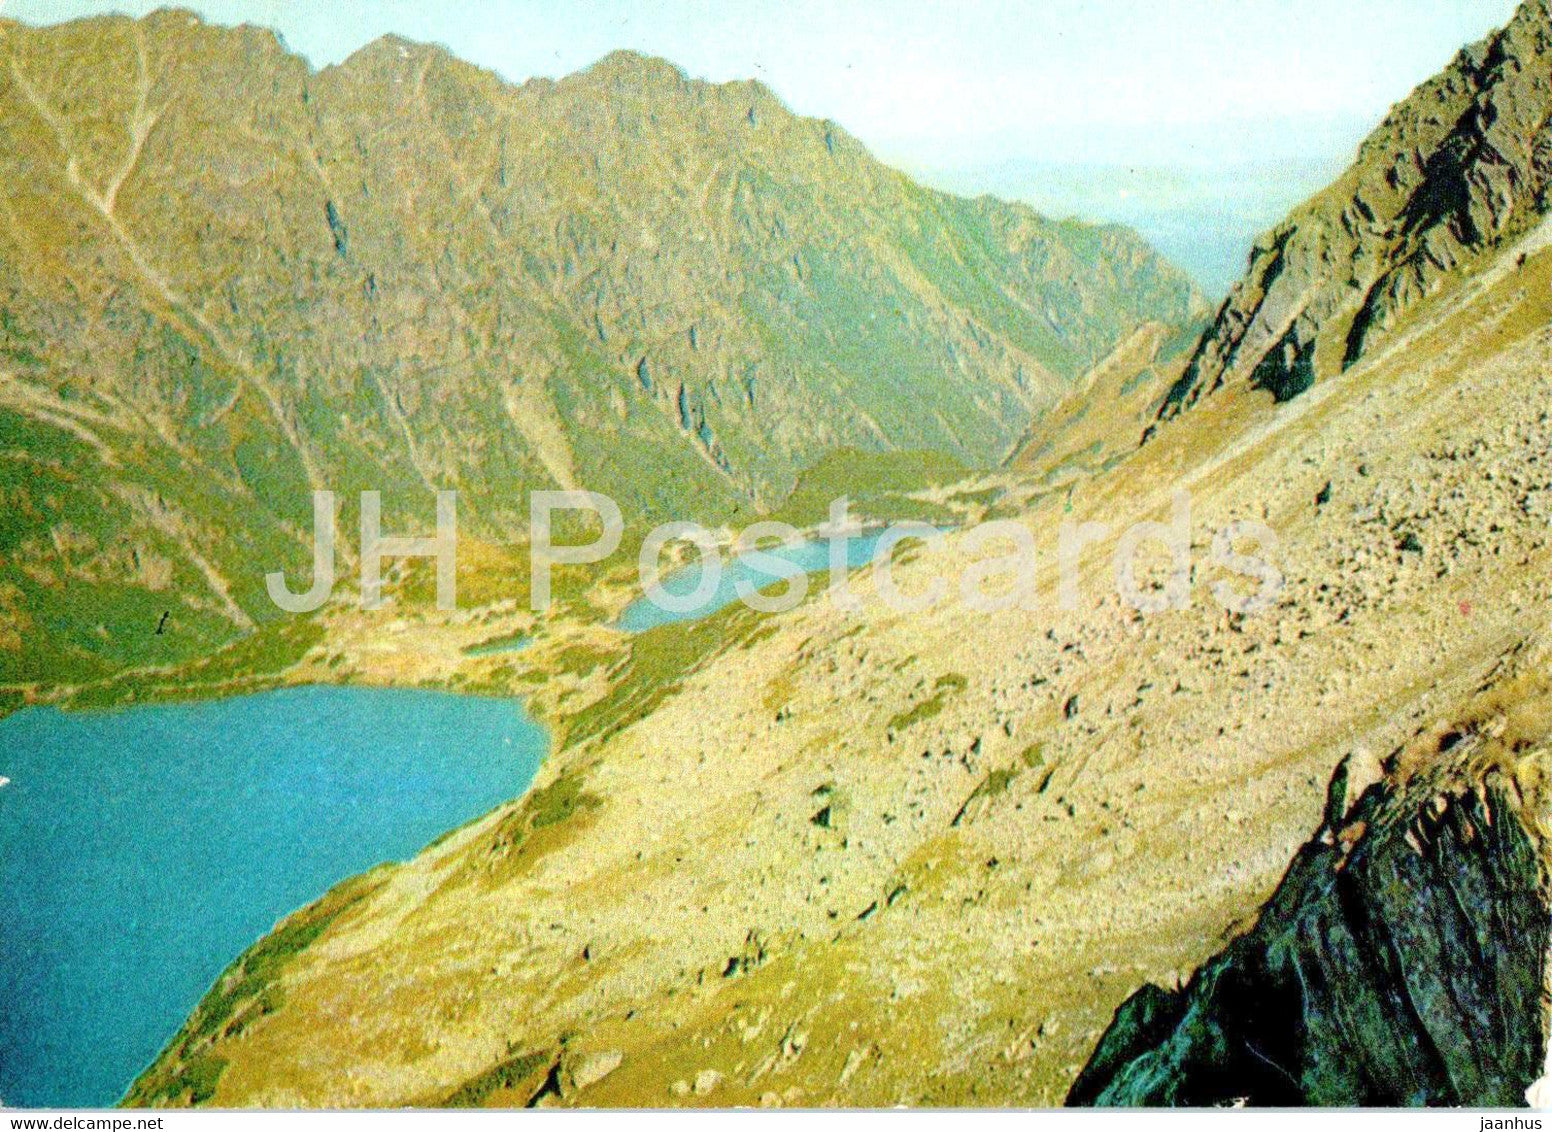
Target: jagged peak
[(626, 64), (1455, 172), (159, 24), (628, 67), (161, 16), (391, 48), (185, 17)]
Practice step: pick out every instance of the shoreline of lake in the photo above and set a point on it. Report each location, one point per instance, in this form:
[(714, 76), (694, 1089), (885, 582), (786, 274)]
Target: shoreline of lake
[(259, 805)]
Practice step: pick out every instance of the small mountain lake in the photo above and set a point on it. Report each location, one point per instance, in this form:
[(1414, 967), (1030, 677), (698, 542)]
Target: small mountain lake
[(795, 558), (143, 849)]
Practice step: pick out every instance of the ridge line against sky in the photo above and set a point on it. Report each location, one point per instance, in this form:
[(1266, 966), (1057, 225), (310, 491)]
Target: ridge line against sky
[(1195, 122)]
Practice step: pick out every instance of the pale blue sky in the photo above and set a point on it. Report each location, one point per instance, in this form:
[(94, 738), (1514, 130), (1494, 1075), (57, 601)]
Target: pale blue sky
[(976, 94)]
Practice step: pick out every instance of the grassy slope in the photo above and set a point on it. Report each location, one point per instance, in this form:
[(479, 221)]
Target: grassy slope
[(888, 859)]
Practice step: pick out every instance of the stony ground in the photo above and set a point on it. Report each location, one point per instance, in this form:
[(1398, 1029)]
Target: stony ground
[(876, 858)]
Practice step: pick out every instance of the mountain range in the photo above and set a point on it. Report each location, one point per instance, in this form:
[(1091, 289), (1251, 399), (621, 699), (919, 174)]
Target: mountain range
[(229, 280), (1051, 853), (1061, 852)]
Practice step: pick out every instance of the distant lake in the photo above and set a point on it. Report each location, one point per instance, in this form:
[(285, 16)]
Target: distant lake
[(795, 558), (142, 850)]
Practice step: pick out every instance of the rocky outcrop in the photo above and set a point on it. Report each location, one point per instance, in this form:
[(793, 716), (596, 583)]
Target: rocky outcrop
[(1455, 171), (1402, 961)]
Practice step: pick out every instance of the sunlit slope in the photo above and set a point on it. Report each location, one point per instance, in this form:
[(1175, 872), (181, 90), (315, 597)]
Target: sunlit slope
[(1097, 423), (886, 858)]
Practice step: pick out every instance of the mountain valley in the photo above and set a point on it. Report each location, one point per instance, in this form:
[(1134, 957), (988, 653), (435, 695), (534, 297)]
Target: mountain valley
[(1063, 851)]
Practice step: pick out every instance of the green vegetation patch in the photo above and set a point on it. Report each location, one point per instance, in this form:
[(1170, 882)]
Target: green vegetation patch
[(535, 827), (557, 801), (503, 642), (202, 1075), (996, 782), (581, 660), (249, 662), (877, 484), (945, 685), (509, 1074), (985, 497), (659, 661)]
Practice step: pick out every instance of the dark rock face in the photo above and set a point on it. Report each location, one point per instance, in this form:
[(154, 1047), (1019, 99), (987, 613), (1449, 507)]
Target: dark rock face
[(1459, 168), (1401, 961)]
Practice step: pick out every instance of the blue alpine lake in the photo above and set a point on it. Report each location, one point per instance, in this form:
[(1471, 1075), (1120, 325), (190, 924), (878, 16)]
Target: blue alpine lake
[(787, 561), (143, 849)]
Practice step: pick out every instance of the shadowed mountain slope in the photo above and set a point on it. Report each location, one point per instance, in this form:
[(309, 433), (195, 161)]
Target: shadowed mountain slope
[(1402, 961)]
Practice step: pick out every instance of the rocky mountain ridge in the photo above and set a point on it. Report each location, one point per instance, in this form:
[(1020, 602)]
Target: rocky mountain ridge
[(1456, 171), (871, 858), (860, 857)]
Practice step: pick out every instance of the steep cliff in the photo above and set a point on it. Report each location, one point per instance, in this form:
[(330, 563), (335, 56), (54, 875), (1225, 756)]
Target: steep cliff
[(1402, 961), (1458, 169)]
